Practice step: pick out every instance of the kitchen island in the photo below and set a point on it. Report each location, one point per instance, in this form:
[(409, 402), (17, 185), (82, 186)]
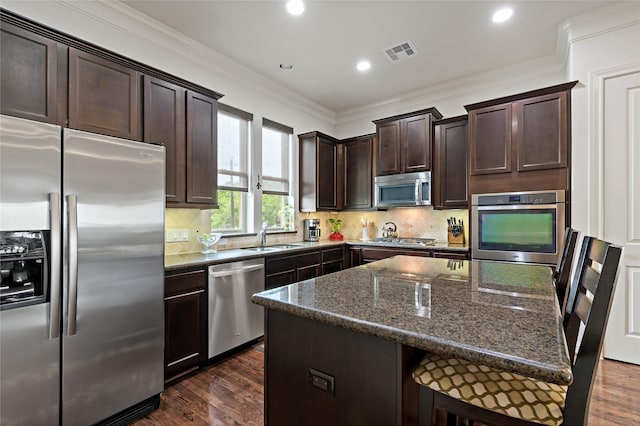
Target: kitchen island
[(340, 348)]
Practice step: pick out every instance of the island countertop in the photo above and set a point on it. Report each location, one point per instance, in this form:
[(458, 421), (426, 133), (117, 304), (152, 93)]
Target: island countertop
[(498, 314)]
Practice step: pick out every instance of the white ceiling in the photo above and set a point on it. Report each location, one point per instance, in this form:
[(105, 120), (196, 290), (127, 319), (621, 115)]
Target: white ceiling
[(454, 39)]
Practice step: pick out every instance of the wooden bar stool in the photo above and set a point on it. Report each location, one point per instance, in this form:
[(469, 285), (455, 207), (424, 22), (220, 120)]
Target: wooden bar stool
[(492, 396), (563, 268)]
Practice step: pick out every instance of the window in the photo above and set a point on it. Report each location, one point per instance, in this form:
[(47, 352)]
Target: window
[(252, 194), (277, 206), (233, 170)]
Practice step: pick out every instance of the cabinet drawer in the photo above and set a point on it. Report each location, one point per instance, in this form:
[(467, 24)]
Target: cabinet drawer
[(451, 255), (331, 254), (371, 255), (283, 263), (176, 283)]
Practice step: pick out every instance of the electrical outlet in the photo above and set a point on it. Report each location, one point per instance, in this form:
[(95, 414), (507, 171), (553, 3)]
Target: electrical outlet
[(177, 235)]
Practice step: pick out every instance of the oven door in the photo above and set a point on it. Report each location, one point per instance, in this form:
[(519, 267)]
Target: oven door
[(520, 233)]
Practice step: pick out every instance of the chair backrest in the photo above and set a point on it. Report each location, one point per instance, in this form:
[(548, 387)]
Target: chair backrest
[(588, 304), (563, 269)]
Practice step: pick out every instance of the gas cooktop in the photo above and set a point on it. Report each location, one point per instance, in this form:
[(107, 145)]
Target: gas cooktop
[(409, 242)]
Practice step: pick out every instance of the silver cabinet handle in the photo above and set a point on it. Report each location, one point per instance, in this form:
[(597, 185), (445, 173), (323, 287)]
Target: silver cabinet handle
[(54, 275), (72, 206), (235, 271), (177, 296)]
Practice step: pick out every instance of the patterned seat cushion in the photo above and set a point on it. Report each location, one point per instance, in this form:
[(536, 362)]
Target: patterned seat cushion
[(496, 390)]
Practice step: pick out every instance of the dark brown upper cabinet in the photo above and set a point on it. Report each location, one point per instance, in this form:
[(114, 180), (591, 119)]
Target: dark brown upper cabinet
[(542, 131), (43, 71), (526, 136), (404, 142), (490, 139), (202, 149), (358, 172), (165, 123), (450, 176), (33, 76), (103, 96), (320, 172)]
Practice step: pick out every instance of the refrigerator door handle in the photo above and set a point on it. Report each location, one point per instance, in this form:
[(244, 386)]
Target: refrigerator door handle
[(72, 203), (54, 278)]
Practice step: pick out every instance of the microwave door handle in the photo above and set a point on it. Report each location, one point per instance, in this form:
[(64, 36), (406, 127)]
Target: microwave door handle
[(54, 276), (418, 192)]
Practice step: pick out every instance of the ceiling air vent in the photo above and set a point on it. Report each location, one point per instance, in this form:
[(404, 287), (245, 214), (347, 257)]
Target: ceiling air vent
[(401, 51)]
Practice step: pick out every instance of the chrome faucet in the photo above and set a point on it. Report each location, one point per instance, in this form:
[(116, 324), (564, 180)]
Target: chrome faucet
[(263, 236)]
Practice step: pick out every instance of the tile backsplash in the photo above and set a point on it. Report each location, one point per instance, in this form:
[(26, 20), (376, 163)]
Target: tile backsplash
[(416, 222), (413, 222)]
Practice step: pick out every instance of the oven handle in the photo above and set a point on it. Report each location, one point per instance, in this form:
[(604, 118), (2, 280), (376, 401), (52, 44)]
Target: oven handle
[(518, 207)]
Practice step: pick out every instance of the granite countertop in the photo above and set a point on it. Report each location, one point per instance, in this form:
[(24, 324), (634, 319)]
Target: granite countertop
[(187, 260), (498, 314)]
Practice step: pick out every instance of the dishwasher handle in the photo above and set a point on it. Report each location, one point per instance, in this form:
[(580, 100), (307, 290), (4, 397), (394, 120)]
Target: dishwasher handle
[(235, 271)]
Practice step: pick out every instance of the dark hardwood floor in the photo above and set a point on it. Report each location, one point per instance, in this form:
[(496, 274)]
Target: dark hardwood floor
[(231, 392)]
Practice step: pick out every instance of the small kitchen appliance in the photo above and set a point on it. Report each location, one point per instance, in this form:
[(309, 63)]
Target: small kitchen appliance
[(311, 230)]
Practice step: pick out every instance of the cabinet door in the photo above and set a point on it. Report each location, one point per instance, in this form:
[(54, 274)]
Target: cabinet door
[(164, 123), (450, 165), (416, 143), (185, 326), (307, 272), (358, 177), (388, 148), (328, 175), (279, 279), (33, 76), (490, 139), (542, 132), (103, 96), (330, 267), (202, 154)]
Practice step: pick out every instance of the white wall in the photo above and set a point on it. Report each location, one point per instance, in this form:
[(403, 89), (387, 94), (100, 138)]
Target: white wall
[(595, 46)]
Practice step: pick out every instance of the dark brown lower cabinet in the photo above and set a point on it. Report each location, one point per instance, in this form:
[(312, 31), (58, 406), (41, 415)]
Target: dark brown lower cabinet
[(287, 269), (359, 255), (318, 374), (185, 320)]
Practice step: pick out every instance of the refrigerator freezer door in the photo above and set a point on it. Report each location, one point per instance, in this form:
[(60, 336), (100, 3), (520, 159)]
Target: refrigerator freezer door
[(113, 357), (29, 353)]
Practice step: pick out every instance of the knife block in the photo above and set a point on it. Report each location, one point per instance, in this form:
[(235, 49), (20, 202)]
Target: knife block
[(458, 239)]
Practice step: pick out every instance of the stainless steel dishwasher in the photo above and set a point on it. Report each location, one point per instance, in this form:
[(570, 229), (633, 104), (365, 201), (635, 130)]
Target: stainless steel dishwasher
[(233, 319)]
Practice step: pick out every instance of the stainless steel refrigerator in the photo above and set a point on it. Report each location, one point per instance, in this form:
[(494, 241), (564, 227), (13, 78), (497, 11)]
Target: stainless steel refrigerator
[(81, 297)]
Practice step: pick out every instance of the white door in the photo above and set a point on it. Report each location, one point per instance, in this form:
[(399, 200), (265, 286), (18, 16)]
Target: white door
[(621, 208)]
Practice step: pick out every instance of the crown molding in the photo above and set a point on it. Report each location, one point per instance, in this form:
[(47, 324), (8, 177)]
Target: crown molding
[(209, 65), (613, 17)]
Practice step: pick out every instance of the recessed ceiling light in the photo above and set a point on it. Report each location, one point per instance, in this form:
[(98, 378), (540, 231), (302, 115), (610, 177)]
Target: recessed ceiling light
[(363, 65), (285, 66), (502, 15), (295, 7)]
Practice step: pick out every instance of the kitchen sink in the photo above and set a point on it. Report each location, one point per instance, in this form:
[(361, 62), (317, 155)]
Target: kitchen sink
[(286, 246), (260, 248), (273, 248)]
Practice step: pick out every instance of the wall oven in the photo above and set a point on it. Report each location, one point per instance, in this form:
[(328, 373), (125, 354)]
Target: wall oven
[(518, 226)]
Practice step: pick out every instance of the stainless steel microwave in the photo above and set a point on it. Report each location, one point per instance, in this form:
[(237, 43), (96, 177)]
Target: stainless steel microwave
[(410, 189)]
